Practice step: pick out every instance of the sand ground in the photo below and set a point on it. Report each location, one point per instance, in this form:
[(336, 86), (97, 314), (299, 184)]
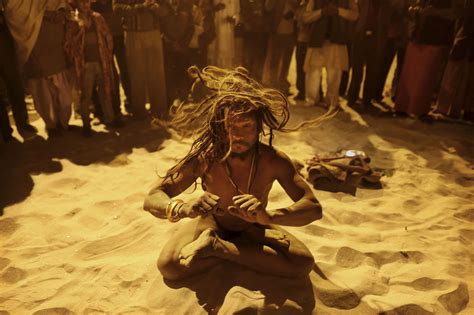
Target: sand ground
[(75, 240)]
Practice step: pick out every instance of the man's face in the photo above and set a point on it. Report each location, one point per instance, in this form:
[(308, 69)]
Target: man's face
[(243, 132)]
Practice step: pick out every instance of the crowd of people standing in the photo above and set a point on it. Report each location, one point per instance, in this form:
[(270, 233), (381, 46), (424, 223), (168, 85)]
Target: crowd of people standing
[(85, 51)]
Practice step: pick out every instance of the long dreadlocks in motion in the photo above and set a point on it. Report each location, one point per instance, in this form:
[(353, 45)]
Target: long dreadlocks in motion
[(228, 92)]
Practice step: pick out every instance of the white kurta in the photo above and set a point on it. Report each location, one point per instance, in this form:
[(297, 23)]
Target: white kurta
[(222, 50)]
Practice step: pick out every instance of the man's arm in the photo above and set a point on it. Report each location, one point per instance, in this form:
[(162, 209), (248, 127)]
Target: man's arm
[(310, 15), (352, 13), (126, 8), (160, 195), (306, 207)]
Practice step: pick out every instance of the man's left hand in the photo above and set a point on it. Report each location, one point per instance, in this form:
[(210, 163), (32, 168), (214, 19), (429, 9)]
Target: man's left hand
[(250, 209)]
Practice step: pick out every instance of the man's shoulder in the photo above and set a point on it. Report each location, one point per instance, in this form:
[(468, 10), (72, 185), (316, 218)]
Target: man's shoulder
[(272, 155)]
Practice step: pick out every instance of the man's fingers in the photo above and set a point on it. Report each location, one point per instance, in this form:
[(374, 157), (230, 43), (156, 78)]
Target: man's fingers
[(210, 201), (241, 198), (248, 203), (212, 196)]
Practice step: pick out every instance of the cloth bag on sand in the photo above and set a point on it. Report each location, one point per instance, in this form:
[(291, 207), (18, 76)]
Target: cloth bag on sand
[(343, 171)]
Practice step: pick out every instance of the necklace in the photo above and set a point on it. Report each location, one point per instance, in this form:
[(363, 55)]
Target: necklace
[(250, 180)]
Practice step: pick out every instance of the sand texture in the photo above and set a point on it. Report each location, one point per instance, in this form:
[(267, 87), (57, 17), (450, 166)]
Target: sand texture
[(75, 240)]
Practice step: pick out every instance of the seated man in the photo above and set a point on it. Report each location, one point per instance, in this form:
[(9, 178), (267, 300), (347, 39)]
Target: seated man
[(237, 171)]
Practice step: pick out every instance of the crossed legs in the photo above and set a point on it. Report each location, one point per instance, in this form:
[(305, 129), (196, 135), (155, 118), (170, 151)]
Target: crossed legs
[(200, 246)]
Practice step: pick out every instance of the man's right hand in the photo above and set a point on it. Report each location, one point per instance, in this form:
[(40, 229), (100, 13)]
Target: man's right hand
[(202, 206)]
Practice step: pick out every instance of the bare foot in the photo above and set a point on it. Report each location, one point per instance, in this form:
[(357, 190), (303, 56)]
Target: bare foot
[(202, 247)]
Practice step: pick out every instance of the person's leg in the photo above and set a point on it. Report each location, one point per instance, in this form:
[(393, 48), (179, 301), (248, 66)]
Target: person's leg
[(63, 86), (155, 76), (313, 85), (106, 106), (119, 52), (5, 128), (371, 68), (288, 45), (137, 69), (169, 260), (334, 80), (269, 250), (43, 101), (87, 87), (301, 48), (358, 61)]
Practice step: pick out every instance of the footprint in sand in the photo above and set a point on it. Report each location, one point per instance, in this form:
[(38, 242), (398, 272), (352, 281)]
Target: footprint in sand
[(387, 257), (68, 183), (4, 262), (347, 257), (201, 247), (466, 215), (54, 311), (455, 301), (408, 309), (8, 226), (426, 284), (13, 275)]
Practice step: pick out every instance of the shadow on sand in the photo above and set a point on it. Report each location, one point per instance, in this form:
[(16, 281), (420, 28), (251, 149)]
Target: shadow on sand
[(19, 161)]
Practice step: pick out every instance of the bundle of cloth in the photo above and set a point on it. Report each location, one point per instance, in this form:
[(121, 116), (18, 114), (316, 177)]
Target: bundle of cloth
[(343, 171)]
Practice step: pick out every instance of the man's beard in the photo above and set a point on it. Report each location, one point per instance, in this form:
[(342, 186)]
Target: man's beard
[(242, 155)]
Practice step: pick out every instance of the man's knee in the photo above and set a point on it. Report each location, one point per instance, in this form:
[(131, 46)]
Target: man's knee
[(169, 266), (304, 263)]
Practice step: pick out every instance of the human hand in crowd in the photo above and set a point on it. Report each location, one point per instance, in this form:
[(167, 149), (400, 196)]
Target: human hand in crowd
[(249, 208), (289, 15), (201, 206), (219, 6)]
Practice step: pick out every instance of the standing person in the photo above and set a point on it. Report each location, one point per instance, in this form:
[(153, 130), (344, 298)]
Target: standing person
[(255, 18), (302, 39), (114, 22), (10, 75), (456, 95), (49, 81), (281, 42), (145, 57), (177, 29), (231, 220), (5, 128), (429, 46), (327, 46), (392, 40), (89, 46), (222, 50), (364, 47)]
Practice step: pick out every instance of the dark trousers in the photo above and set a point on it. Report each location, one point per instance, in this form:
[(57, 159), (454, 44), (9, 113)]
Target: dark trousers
[(363, 54), (255, 50), (177, 63), (345, 74), (281, 49), (301, 48), (388, 48), (5, 128), (10, 74), (120, 55)]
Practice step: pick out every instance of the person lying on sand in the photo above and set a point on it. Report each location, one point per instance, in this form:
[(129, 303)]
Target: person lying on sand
[(237, 170)]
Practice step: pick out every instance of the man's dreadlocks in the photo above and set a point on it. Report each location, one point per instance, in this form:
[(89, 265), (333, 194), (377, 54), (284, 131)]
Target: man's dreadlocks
[(227, 93)]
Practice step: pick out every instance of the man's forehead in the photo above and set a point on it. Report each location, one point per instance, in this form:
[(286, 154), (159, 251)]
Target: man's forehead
[(242, 117)]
